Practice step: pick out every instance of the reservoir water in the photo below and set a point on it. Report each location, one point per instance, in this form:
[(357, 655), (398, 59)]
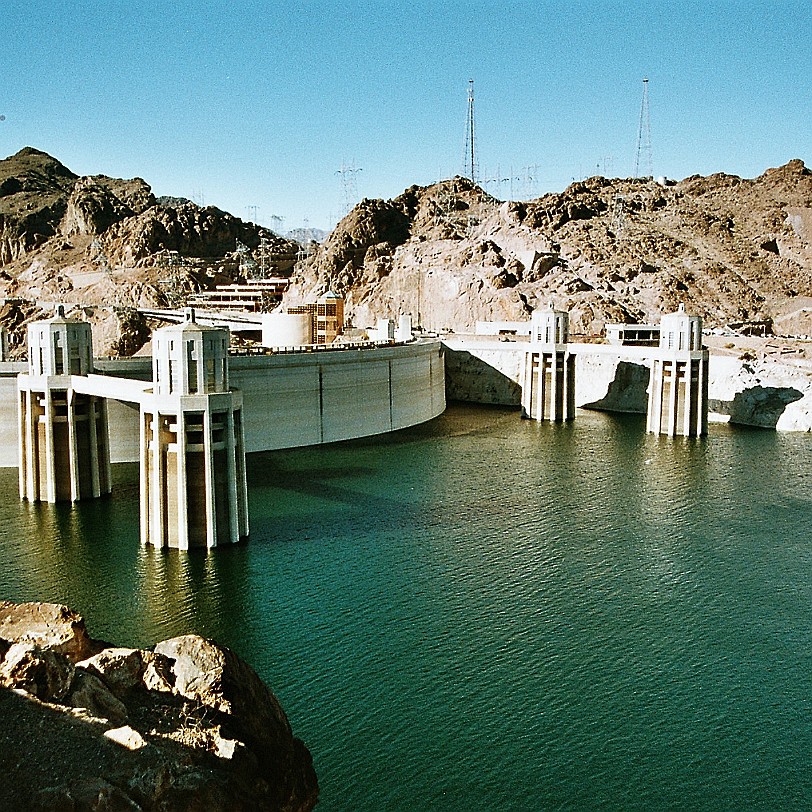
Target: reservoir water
[(484, 613)]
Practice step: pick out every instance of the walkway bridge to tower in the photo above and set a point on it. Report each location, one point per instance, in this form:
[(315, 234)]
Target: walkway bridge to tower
[(106, 386), (192, 445)]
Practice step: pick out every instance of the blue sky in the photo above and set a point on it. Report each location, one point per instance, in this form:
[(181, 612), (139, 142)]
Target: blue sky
[(259, 104)]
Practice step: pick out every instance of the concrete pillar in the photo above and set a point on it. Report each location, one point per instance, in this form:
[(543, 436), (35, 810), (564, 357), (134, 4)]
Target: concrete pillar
[(144, 477), (678, 382), (63, 455)]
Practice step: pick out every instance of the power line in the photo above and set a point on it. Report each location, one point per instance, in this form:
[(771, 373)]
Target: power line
[(644, 139)]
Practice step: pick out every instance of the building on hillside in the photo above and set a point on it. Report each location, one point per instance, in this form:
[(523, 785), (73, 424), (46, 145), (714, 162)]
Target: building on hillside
[(502, 328), (633, 335), (255, 296)]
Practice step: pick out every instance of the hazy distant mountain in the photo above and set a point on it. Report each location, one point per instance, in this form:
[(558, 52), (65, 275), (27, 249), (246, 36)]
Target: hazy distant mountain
[(306, 235)]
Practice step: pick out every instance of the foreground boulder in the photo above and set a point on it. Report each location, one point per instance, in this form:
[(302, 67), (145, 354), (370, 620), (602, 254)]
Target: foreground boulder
[(188, 726)]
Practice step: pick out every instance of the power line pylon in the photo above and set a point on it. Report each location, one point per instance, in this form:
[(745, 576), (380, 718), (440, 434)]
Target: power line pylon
[(173, 284), (264, 259), (643, 160), (619, 215), (349, 184), (469, 155), (248, 267), (530, 181), (100, 256)]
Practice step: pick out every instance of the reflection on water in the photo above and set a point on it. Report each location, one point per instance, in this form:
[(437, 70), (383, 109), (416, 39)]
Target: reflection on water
[(489, 613)]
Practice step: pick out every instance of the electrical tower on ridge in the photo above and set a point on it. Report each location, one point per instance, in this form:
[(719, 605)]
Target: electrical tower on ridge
[(643, 160), (469, 156)]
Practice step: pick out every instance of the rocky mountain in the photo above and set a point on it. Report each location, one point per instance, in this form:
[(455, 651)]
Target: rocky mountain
[(734, 250), (100, 242), (186, 725)]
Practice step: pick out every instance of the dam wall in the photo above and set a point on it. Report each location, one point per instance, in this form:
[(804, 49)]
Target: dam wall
[(489, 371), (764, 393), (289, 400)]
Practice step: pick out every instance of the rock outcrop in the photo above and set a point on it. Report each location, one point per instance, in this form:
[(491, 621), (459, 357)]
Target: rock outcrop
[(734, 250), (34, 190), (186, 726), (108, 242)]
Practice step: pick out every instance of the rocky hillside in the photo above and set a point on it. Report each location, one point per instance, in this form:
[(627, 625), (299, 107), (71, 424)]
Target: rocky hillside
[(734, 250), (186, 725), (102, 242)]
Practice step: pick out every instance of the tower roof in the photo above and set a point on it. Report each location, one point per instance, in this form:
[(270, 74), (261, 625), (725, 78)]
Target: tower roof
[(60, 318)]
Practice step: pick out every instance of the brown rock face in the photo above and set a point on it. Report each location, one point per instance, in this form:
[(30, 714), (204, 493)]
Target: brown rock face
[(104, 242), (33, 197), (96, 203), (187, 229), (44, 673), (217, 678), (732, 249), (189, 726)]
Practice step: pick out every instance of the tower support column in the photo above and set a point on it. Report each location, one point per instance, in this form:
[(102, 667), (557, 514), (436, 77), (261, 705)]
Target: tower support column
[(548, 375), (64, 452)]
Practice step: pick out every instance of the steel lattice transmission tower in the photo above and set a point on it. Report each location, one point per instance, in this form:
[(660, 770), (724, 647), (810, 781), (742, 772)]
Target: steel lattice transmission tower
[(349, 184), (643, 164), (469, 156)]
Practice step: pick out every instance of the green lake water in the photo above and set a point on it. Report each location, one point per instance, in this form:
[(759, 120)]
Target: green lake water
[(485, 613)]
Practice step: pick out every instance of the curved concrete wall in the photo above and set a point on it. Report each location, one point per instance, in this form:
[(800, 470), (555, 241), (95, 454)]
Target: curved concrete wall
[(288, 400)]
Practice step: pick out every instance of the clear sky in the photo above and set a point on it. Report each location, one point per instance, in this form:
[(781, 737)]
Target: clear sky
[(259, 104)]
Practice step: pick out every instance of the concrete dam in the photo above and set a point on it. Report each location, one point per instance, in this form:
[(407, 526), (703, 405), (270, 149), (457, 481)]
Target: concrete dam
[(289, 400), (760, 392), (190, 413)]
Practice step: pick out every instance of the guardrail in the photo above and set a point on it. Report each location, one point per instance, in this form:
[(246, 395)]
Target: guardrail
[(305, 349)]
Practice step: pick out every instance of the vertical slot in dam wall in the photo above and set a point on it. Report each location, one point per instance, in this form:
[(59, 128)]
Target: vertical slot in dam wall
[(289, 400)]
